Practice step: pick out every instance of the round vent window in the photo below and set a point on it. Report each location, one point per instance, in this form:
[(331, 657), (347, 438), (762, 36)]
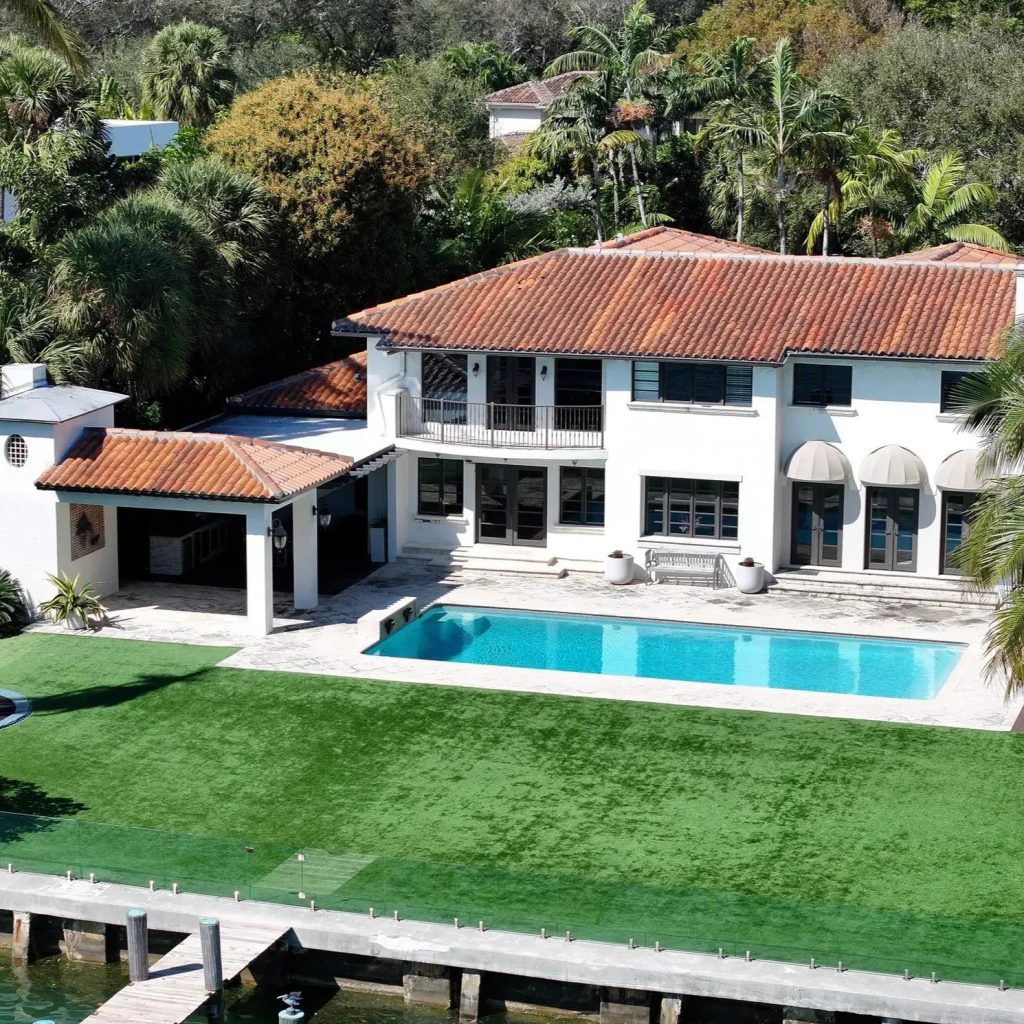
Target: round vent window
[(16, 450)]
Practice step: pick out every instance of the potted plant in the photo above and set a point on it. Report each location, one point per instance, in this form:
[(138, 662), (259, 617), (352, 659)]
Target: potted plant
[(75, 604), (379, 539), (618, 568), (750, 576)]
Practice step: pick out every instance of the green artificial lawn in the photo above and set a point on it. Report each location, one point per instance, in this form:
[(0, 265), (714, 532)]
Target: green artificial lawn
[(883, 845)]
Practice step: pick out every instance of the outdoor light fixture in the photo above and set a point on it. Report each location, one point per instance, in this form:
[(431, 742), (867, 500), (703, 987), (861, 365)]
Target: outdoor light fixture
[(322, 515), (279, 535), (544, 372), (476, 369)]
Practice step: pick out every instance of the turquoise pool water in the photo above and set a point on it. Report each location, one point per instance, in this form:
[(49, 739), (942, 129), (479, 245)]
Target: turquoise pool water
[(728, 655)]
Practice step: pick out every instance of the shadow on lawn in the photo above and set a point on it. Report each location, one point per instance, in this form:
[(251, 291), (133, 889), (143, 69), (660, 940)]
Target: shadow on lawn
[(109, 695), (27, 810)]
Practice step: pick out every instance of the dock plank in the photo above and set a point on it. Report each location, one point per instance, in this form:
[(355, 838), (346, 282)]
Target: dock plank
[(175, 988)]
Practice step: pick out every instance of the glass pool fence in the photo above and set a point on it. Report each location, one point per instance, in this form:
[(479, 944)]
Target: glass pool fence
[(733, 924)]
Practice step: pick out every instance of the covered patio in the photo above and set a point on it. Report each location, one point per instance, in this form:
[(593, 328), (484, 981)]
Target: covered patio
[(242, 482)]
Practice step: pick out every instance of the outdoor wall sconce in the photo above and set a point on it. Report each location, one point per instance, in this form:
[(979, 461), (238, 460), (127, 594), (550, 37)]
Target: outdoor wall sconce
[(544, 372), (476, 369), (278, 534), (322, 515)]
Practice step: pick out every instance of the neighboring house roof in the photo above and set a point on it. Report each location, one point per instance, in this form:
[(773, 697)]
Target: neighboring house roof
[(51, 404), (337, 389), (961, 252), (536, 93), (665, 239), (750, 308), (180, 464)]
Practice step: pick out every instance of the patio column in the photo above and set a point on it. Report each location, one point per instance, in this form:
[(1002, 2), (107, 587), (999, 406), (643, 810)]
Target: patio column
[(305, 592), (259, 571)]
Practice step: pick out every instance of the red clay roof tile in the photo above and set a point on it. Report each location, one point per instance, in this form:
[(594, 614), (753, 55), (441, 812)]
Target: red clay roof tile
[(735, 307), (337, 389), (666, 239), (961, 252), (536, 93), (180, 464)]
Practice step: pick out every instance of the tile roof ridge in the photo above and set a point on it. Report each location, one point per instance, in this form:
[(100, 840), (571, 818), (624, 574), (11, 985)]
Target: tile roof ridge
[(359, 358), (244, 457)]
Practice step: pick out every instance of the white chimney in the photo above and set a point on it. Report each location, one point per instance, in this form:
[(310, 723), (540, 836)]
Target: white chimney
[(17, 378)]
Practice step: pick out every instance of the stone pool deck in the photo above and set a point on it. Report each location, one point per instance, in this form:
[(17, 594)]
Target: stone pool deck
[(327, 642)]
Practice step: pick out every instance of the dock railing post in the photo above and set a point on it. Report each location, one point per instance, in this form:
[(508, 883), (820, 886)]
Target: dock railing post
[(138, 945), (213, 970)]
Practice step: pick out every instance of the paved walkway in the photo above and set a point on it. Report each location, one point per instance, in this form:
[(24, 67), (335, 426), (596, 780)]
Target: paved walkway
[(326, 641)]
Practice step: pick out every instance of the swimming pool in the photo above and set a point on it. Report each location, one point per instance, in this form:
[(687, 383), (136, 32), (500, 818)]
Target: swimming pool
[(682, 651)]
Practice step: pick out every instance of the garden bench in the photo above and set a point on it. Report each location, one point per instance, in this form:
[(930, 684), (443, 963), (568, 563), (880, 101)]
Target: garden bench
[(684, 566)]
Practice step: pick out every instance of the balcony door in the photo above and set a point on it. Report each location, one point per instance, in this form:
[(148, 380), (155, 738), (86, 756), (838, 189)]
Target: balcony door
[(511, 505), (817, 524), (892, 529), (578, 395), (511, 392)]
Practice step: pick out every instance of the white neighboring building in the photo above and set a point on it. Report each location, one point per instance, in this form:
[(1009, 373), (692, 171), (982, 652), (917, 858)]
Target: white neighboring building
[(519, 109), (669, 390)]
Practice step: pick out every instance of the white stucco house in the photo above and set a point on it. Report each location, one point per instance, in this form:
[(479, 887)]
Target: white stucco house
[(519, 109), (662, 391)]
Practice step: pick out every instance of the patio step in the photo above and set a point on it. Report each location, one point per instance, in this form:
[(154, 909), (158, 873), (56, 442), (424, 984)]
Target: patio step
[(473, 560), (879, 587)]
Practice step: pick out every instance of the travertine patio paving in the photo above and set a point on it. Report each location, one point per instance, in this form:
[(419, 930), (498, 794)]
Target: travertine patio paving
[(326, 641)]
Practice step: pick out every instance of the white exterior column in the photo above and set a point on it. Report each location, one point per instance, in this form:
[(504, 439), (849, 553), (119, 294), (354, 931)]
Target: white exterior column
[(305, 592), (259, 571)]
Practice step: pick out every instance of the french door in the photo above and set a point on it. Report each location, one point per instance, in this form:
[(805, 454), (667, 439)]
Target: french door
[(892, 529), (511, 504), (511, 392), (956, 525), (817, 524)]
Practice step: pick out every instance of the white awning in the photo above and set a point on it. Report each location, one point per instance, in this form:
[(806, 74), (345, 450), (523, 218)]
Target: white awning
[(892, 466), (962, 471), (818, 462)]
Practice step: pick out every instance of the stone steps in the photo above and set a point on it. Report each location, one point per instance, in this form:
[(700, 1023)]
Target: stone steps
[(467, 560), (878, 587)]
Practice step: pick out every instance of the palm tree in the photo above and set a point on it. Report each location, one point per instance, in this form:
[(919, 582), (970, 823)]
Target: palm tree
[(487, 64), (795, 120), (938, 204), (627, 67), (40, 17), (724, 84), (186, 74), (993, 553)]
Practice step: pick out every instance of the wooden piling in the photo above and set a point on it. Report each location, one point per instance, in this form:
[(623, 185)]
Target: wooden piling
[(138, 945)]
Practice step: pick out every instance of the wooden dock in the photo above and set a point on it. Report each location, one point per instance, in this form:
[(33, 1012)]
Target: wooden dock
[(175, 989)]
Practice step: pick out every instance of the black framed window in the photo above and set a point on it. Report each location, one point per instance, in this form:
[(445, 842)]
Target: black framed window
[(444, 385), (691, 508), (581, 496), (949, 400), (692, 383), (822, 384), (439, 487)]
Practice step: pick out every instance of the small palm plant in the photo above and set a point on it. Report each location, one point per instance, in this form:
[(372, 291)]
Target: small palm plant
[(13, 613), (75, 604)]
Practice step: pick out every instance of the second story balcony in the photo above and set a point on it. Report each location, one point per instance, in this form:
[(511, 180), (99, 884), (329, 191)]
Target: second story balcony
[(500, 425)]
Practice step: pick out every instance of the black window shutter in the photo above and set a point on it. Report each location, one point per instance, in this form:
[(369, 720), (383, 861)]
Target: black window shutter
[(739, 385)]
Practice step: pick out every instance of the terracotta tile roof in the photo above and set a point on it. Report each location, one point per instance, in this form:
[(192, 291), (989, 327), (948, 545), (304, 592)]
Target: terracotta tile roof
[(749, 308), (179, 464), (536, 93), (337, 389), (665, 239), (961, 252)]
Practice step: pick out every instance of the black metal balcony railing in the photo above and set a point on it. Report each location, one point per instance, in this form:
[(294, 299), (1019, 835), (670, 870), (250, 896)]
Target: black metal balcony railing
[(498, 425)]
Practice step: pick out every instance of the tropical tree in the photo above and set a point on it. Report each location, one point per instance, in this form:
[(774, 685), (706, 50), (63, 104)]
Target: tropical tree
[(993, 552), (13, 613), (939, 204), (186, 73), (627, 66), (795, 121), (725, 85), (485, 64), (41, 18)]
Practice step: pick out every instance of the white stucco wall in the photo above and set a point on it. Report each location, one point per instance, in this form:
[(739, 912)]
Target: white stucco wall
[(510, 120), (893, 402)]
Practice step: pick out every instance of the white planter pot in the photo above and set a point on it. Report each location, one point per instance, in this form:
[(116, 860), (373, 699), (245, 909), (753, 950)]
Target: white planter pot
[(619, 570), (378, 544), (76, 620), (749, 578)]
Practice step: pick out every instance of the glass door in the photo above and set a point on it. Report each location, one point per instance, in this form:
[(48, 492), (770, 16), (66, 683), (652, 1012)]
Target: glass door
[(956, 525), (511, 392), (892, 529), (512, 505), (817, 524)]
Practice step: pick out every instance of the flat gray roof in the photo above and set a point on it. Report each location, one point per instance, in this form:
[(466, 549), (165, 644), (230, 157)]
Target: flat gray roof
[(56, 403)]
